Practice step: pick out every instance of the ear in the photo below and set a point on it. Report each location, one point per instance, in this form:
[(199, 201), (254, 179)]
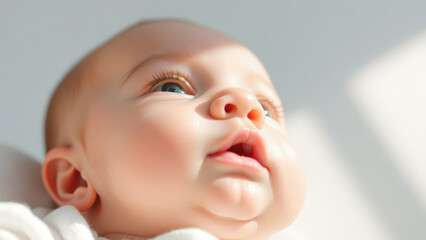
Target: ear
[(63, 181)]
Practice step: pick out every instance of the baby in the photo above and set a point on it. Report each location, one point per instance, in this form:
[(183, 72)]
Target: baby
[(170, 125)]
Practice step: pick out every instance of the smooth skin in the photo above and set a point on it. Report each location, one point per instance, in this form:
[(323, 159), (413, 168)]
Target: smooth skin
[(169, 101)]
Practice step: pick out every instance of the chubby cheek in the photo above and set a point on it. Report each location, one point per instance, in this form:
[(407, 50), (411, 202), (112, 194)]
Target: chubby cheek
[(287, 175), (151, 153)]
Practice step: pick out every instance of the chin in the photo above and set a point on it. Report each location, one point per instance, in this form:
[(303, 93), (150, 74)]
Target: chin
[(225, 228), (229, 227), (234, 199)]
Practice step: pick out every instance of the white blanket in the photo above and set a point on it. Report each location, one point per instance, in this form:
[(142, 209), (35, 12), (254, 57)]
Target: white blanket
[(18, 221)]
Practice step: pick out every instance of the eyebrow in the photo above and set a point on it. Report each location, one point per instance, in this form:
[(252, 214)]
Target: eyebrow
[(155, 57)]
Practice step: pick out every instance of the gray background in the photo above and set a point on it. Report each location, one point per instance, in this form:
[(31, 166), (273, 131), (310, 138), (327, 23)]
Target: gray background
[(310, 48)]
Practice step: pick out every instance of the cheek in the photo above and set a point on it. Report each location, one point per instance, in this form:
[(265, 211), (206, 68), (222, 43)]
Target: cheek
[(287, 173), (154, 149)]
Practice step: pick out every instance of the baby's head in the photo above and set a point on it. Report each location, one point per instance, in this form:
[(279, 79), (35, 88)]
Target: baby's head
[(171, 125)]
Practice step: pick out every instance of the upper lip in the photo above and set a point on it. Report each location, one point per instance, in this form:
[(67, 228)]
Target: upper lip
[(249, 142)]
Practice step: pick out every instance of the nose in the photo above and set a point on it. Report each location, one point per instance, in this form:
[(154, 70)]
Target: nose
[(237, 102)]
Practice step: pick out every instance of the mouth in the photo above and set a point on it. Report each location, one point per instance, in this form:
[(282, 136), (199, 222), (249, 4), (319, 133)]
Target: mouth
[(244, 149)]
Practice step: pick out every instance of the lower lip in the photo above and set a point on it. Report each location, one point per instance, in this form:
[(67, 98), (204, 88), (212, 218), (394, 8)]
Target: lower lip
[(234, 159)]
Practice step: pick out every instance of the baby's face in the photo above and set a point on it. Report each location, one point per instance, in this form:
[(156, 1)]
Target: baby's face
[(186, 130)]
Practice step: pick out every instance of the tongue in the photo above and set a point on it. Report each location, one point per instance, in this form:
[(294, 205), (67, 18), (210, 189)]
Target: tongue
[(242, 150), (248, 150), (238, 149)]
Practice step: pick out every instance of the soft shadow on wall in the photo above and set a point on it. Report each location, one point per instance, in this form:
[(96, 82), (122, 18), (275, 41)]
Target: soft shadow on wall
[(352, 193)]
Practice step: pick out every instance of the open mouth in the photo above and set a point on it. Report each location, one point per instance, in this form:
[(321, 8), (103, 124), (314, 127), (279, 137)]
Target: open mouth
[(242, 149)]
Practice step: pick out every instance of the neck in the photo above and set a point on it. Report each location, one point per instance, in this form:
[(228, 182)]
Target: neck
[(118, 236)]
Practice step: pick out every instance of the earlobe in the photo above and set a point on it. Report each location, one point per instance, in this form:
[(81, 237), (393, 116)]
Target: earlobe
[(64, 182)]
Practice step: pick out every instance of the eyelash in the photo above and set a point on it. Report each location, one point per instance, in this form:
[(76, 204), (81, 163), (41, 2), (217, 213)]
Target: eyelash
[(173, 76), (160, 77), (274, 105)]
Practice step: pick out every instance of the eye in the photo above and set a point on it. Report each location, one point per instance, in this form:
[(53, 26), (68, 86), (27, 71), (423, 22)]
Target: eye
[(173, 83), (170, 87), (272, 109), (266, 111)]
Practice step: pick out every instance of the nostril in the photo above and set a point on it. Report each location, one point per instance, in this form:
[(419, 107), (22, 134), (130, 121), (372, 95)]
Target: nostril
[(253, 115), (230, 108)]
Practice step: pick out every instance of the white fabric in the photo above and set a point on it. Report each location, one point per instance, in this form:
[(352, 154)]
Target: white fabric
[(17, 221), (20, 179), (186, 234), (64, 223)]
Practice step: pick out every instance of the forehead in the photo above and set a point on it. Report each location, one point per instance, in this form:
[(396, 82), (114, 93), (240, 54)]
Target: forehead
[(162, 36), (169, 40), (173, 36)]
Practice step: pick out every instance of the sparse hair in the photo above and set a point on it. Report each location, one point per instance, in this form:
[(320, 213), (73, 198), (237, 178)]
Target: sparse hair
[(61, 105)]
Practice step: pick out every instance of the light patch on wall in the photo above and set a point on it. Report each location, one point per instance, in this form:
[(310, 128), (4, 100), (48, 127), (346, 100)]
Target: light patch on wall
[(390, 93), (335, 206)]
